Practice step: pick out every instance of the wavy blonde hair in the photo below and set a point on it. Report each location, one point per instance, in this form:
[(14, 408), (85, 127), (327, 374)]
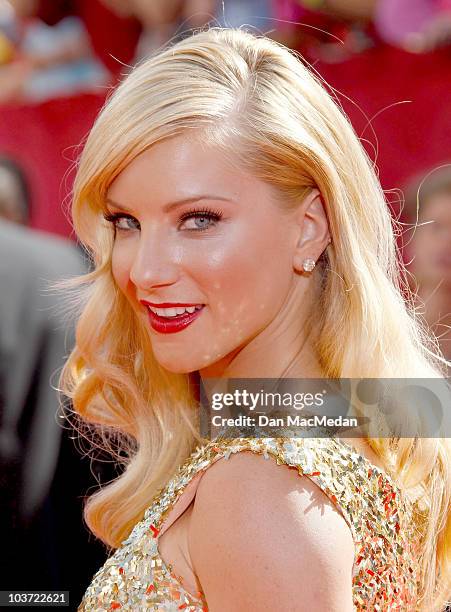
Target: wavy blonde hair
[(256, 100)]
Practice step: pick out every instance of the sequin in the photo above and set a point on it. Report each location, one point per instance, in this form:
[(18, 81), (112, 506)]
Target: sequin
[(379, 515)]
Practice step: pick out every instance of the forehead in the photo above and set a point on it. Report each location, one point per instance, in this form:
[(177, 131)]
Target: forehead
[(183, 167)]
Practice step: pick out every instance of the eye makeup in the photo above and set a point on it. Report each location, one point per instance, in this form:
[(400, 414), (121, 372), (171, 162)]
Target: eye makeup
[(205, 213)]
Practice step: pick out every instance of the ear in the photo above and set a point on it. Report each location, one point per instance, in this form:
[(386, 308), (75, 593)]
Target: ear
[(312, 228)]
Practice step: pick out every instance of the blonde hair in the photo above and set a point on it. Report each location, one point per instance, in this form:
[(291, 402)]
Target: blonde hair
[(424, 186), (256, 100)]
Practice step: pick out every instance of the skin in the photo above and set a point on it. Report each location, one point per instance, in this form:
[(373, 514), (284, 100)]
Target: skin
[(12, 206), (247, 269), (350, 9), (430, 251), (248, 325), (263, 538), (431, 244), (250, 328), (25, 8)]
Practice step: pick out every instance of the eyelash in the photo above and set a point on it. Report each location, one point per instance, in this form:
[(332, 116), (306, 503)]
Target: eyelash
[(215, 215), (114, 218)]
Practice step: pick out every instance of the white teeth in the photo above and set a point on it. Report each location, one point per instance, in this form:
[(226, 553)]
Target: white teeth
[(168, 312), (174, 312)]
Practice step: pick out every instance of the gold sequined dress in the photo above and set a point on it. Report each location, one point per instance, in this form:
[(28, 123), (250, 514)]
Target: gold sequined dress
[(379, 516)]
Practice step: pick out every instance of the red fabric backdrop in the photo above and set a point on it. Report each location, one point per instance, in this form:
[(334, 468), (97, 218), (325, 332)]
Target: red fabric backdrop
[(412, 136), (44, 139)]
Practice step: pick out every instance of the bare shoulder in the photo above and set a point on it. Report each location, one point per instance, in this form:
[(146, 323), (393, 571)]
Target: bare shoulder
[(262, 537)]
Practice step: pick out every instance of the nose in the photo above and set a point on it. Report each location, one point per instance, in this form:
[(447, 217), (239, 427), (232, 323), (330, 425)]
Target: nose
[(155, 261)]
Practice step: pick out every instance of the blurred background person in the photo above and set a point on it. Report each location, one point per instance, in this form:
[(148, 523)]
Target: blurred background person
[(14, 193), (416, 25), (45, 61), (375, 78), (67, 45), (256, 14), (42, 478), (429, 249), (164, 20), (103, 32)]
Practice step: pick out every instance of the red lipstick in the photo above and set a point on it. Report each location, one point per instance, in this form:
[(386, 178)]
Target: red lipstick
[(171, 325), (166, 304)]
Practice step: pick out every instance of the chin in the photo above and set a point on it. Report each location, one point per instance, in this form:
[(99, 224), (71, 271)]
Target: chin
[(177, 364), (176, 367), (186, 364), (193, 356)]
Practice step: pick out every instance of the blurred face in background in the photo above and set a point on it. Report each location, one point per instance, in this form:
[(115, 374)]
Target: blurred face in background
[(13, 204), (25, 8), (431, 244)]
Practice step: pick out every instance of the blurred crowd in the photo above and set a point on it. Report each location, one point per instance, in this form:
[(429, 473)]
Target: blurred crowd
[(58, 59), (54, 47)]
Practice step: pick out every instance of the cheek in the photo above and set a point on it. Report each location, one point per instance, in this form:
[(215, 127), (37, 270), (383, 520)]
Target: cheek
[(121, 263), (424, 246), (248, 277)]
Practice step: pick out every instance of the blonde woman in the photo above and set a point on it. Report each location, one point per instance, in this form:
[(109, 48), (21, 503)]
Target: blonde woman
[(222, 180)]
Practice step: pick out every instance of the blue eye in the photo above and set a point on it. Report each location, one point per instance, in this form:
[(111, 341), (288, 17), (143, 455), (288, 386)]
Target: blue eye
[(203, 219), (122, 222)]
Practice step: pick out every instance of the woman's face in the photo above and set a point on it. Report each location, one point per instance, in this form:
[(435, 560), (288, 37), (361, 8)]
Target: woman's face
[(193, 229), (431, 245)]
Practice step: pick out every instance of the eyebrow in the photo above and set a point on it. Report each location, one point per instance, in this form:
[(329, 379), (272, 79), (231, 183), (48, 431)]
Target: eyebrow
[(177, 204)]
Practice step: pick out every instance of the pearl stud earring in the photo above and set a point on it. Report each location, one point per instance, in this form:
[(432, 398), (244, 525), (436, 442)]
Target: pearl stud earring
[(308, 264)]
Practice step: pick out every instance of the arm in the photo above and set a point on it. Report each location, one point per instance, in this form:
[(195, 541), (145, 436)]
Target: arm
[(344, 9), (264, 538), (350, 9)]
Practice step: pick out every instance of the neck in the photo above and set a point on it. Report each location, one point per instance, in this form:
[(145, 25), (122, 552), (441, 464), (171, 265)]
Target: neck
[(284, 349)]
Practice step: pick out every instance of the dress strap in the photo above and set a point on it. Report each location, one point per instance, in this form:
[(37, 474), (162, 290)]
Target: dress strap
[(342, 474)]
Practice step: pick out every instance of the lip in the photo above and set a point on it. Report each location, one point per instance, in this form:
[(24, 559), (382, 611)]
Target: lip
[(165, 325), (166, 304)]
